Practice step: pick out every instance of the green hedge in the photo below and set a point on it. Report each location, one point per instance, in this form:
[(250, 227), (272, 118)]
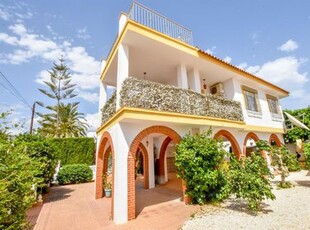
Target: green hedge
[(307, 154), (75, 174), (77, 150)]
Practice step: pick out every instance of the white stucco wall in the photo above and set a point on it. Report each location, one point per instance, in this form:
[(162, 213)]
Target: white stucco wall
[(265, 119)]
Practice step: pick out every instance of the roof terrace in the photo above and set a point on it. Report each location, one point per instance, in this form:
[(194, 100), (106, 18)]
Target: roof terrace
[(154, 20)]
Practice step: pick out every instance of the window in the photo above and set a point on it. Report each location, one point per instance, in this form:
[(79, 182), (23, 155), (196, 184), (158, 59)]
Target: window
[(251, 99), (273, 104)]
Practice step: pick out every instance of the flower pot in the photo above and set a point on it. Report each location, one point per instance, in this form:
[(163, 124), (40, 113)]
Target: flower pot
[(108, 192)]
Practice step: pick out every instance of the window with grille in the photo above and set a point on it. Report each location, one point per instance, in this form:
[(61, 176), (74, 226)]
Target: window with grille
[(251, 99)]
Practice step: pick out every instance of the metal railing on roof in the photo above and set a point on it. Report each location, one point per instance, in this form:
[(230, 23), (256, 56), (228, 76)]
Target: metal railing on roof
[(153, 20)]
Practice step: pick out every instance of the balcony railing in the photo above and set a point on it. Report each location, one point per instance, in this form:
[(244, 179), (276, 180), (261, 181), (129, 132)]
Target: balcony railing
[(136, 93), (151, 19)]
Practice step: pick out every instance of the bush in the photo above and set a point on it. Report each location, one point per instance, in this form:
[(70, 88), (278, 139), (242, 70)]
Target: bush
[(307, 154), (17, 175), (79, 150), (290, 160), (75, 174), (40, 151), (198, 159), (248, 180)]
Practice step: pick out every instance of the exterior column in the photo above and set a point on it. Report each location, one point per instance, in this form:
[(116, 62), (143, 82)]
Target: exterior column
[(194, 80), (120, 192), (103, 96), (182, 76), (122, 22), (150, 151), (122, 69)]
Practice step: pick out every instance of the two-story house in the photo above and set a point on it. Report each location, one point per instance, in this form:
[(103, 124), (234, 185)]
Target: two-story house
[(166, 87)]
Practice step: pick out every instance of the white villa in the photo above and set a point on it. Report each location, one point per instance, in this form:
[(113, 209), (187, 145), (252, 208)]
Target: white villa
[(167, 87)]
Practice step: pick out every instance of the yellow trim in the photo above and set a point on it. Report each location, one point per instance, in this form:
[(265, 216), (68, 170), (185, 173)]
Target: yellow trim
[(178, 118), (263, 129), (153, 34)]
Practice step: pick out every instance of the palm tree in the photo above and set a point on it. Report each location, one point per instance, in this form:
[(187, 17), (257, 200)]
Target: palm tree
[(68, 123)]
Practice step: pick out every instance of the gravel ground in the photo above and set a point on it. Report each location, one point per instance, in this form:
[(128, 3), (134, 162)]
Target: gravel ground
[(290, 210)]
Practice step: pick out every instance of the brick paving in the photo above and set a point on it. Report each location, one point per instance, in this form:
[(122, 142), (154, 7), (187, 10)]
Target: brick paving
[(74, 207)]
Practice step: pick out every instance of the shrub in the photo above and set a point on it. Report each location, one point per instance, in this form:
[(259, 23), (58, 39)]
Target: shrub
[(307, 154), (17, 175), (75, 174), (290, 160), (79, 150), (40, 151), (248, 180), (198, 159)]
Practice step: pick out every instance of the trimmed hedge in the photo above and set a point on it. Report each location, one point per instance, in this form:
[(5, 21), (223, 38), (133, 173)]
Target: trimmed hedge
[(75, 150), (75, 174)]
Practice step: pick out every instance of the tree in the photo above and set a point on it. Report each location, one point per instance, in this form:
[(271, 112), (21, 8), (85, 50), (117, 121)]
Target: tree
[(198, 160), (296, 132), (71, 123), (64, 120)]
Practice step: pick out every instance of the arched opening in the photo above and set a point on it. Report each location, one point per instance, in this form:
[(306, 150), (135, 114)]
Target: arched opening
[(230, 142), (149, 198), (249, 143), (105, 163), (274, 140), (142, 166)]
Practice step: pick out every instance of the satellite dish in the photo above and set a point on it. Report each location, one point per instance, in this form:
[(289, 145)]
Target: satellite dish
[(296, 122)]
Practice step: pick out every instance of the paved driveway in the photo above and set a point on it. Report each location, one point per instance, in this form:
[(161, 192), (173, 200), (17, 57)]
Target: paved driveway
[(74, 207)]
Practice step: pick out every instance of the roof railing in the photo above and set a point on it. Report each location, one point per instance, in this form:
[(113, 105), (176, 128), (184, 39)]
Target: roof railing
[(162, 24)]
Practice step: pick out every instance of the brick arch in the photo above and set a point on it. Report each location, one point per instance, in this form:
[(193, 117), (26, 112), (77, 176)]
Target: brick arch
[(102, 165), (249, 135), (275, 138), (142, 148), (234, 143), (163, 148), (131, 163)]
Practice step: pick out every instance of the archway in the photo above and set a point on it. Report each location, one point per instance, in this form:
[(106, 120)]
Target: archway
[(229, 137), (102, 166), (249, 143), (131, 163), (142, 149), (274, 140), (161, 166)]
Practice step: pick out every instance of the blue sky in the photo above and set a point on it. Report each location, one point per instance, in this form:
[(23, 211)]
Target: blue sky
[(267, 38)]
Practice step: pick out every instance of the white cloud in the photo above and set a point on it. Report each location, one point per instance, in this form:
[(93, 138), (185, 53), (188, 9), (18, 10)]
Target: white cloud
[(284, 72), (288, 46), (243, 65), (83, 33), (27, 45), (211, 51), (89, 96), (93, 121), (227, 59), (4, 15)]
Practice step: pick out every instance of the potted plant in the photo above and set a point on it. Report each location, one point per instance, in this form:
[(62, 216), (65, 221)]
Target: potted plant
[(107, 185)]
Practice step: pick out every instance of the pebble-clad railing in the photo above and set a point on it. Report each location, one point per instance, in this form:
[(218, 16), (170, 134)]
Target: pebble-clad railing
[(145, 94)]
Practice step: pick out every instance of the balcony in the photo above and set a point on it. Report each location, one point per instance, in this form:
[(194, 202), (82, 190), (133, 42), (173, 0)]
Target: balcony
[(137, 93), (153, 20)]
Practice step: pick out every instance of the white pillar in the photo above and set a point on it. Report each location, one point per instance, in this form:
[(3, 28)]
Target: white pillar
[(122, 22), (122, 69), (120, 174), (194, 80), (182, 76), (150, 151)]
